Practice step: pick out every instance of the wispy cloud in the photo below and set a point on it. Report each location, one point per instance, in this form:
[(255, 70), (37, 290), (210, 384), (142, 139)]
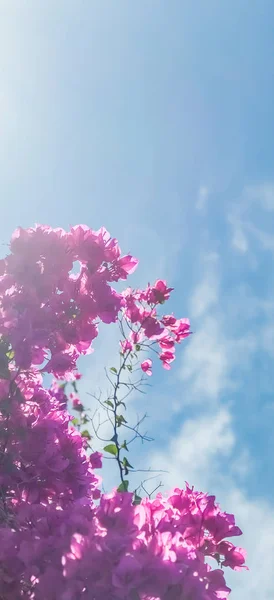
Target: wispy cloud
[(206, 450), (210, 360), (206, 294), (256, 519), (262, 194), (213, 353), (194, 453), (205, 363), (202, 199), (239, 240), (267, 338), (249, 215), (264, 238), (203, 453)]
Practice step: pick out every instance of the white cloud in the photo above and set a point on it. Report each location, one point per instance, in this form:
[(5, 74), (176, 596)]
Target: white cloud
[(239, 239), (205, 362), (256, 519), (267, 338), (206, 294), (241, 465), (254, 197), (262, 193), (203, 195), (210, 358), (205, 451), (196, 454), (193, 454), (265, 239), (211, 354)]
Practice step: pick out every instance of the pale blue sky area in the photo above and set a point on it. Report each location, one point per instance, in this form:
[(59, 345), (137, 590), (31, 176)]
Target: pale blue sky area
[(155, 119)]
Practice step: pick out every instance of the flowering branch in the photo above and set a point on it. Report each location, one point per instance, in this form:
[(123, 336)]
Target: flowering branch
[(60, 538)]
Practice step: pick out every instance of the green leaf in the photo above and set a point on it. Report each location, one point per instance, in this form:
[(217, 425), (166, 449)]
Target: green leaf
[(137, 347), (129, 368), (120, 420), (85, 420), (109, 403), (10, 354), (123, 487), (121, 402), (137, 499), (113, 370), (124, 446), (75, 422), (126, 463), (111, 449), (86, 434)]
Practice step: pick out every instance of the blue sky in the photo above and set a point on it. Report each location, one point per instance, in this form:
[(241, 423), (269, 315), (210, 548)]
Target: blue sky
[(154, 119)]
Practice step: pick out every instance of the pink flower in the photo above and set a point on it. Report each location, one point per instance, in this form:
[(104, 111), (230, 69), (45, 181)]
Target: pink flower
[(76, 376), (166, 343), (167, 357), (126, 345), (146, 366), (127, 573), (133, 312), (169, 320), (135, 337), (152, 327), (159, 292), (76, 403), (127, 265), (181, 329), (61, 362), (96, 460), (234, 557)]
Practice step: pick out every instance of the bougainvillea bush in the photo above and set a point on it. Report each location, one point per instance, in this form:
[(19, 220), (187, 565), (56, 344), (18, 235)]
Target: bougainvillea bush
[(60, 537)]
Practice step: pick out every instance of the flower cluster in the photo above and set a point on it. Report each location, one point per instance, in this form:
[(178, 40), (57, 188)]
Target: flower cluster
[(147, 328), (44, 475), (156, 550), (59, 537), (49, 312)]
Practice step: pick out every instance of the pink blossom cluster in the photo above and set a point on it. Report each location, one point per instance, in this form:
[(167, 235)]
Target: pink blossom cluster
[(148, 329), (45, 476), (155, 550), (60, 539), (49, 313)]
